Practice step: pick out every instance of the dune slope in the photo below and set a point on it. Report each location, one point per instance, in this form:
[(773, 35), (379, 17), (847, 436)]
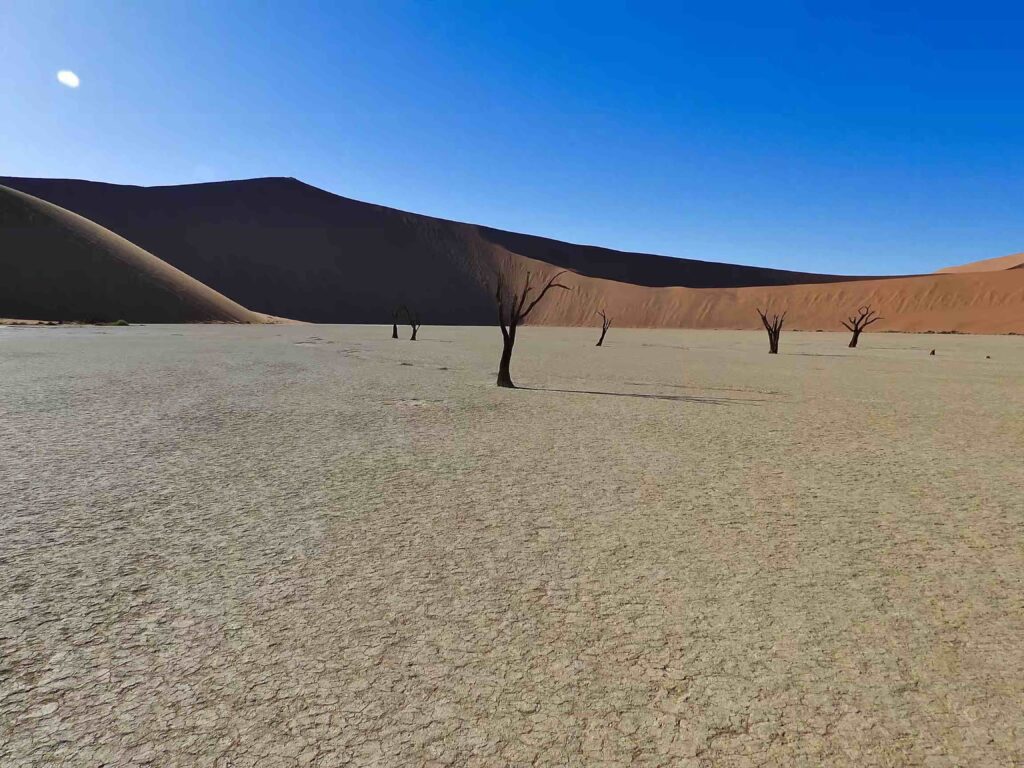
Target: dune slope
[(57, 265), (985, 302), (289, 249), (283, 247), (1013, 261)]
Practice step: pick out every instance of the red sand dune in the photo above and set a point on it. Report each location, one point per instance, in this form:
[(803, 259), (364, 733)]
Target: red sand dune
[(289, 249), (976, 303), (1013, 261), (57, 265)]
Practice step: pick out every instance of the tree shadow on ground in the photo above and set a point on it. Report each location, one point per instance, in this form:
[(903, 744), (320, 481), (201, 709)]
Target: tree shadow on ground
[(704, 389), (671, 398), (666, 346)]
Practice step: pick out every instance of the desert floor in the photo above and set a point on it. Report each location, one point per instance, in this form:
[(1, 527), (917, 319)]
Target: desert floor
[(313, 545)]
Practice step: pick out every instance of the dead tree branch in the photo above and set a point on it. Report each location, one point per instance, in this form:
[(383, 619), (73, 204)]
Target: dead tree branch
[(606, 323), (865, 316), (774, 328), (413, 319), (513, 309)]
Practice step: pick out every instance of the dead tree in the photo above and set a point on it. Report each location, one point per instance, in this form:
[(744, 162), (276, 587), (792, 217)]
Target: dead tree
[(394, 324), (606, 323), (774, 328), (413, 319), (865, 316), (512, 311)]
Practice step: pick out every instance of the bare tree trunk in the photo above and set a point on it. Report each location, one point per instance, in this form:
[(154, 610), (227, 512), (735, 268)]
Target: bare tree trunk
[(413, 318), (865, 316), (504, 375), (605, 325), (394, 330), (774, 328), (512, 310)]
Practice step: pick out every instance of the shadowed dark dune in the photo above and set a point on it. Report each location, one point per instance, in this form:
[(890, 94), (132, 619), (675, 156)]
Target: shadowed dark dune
[(57, 265), (285, 248)]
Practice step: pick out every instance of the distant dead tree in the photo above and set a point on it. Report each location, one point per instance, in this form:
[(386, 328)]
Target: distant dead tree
[(606, 323), (512, 311), (865, 316), (774, 328), (394, 324), (413, 319)]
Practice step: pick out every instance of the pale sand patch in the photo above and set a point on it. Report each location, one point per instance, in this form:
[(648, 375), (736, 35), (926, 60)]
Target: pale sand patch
[(288, 545)]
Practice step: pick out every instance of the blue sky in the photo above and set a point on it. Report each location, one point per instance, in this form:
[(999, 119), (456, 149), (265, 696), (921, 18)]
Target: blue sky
[(866, 138)]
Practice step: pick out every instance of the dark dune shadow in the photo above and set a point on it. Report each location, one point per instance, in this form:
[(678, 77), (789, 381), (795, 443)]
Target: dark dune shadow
[(648, 269), (671, 398)]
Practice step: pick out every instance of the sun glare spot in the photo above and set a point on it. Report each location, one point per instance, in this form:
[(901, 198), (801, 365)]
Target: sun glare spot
[(68, 78)]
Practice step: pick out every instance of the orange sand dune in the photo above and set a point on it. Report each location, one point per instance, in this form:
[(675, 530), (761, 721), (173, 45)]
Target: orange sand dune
[(990, 302), (291, 250), (1013, 261), (57, 265)]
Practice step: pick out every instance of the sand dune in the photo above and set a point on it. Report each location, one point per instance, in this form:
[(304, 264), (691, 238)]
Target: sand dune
[(289, 249), (57, 265), (990, 302), (977, 303), (1013, 261), (286, 248)]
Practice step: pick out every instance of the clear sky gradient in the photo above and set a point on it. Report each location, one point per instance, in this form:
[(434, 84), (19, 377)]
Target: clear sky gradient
[(861, 138)]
